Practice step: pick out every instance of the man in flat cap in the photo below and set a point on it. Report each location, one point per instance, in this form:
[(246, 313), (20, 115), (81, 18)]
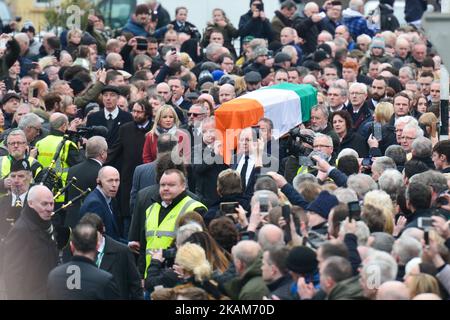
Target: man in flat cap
[(111, 117)]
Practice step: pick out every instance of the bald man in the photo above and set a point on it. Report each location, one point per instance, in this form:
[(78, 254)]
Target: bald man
[(269, 236), (226, 93), (30, 253), (102, 202), (393, 290)]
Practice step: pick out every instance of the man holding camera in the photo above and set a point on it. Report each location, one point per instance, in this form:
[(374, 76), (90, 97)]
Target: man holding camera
[(163, 215), (47, 147), (255, 23)]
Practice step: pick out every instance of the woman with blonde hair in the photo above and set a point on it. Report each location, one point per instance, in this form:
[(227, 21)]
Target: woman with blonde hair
[(166, 121), (383, 112), (430, 122), (422, 283), (193, 268), (381, 200)]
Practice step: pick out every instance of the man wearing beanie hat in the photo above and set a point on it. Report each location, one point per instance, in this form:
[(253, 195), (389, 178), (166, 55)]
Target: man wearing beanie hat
[(318, 212), (302, 263)]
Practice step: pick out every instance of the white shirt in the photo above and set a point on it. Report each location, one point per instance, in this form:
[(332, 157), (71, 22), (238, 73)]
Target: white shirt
[(14, 198), (114, 114), (98, 161), (179, 101), (142, 126), (251, 165)]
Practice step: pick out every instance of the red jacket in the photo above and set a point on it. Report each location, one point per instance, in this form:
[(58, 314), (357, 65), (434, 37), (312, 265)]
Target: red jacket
[(151, 141)]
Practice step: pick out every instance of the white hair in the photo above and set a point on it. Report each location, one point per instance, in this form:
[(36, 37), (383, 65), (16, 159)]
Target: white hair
[(383, 263), (406, 248), (345, 195), (406, 120), (348, 152), (358, 86)]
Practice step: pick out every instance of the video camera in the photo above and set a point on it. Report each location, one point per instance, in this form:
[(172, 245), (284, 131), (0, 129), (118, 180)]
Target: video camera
[(85, 132), (295, 143)]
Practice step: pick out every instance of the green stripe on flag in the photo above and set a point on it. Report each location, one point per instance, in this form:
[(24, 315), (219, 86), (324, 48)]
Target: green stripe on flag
[(306, 92)]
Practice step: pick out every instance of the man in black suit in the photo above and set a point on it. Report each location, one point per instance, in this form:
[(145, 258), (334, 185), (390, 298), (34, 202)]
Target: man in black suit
[(145, 174), (86, 174), (178, 88), (30, 252), (12, 203), (111, 117), (126, 154), (101, 201), (117, 259), (80, 279), (251, 160)]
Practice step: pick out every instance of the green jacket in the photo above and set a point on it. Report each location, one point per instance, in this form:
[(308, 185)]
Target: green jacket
[(249, 286), (349, 289), (90, 95)]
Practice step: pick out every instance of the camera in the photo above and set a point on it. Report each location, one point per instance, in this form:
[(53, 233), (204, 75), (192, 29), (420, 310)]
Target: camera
[(425, 223), (228, 207), (442, 199), (260, 6), (142, 44), (263, 205), (154, 16), (295, 143), (169, 254), (354, 210)]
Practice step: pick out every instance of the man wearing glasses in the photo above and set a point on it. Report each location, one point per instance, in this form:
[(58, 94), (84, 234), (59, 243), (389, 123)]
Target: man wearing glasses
[(358, 108), (18, 150)]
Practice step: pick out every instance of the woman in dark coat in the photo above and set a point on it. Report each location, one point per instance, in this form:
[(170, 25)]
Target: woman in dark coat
[(342, 125)]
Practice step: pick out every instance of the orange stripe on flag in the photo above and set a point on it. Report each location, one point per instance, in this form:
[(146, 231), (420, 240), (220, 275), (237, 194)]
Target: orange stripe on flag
[(232, 116)]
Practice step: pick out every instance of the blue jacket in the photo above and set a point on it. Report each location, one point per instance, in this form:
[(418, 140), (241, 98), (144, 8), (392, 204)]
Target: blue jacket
[(135, 28), (96, 203), (357, 24)]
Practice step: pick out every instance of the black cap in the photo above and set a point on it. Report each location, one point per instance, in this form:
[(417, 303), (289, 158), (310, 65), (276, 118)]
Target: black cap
[(302, 260), (19, 165), (110, 89), (28, 27), (252, 77), (9, 96), (281, 57), (321, 55)]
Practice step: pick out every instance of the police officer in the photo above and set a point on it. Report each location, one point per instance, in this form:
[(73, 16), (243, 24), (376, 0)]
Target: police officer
[(162, 216)]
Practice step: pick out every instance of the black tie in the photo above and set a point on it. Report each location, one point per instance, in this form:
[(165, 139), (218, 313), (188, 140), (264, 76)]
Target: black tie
[(110, 122), (244, 173)]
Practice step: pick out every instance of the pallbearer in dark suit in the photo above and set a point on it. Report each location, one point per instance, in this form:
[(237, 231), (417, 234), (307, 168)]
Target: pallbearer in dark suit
[(86, 174), (111, 117), (251, 160), (11, 204)]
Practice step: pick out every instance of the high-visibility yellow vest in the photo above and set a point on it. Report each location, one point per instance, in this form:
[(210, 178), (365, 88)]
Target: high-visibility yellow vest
[(302, 170), (161, 236), (5, 166), (46, 151)]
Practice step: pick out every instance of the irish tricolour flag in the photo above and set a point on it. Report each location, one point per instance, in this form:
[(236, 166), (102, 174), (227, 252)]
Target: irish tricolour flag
[(286, 104)]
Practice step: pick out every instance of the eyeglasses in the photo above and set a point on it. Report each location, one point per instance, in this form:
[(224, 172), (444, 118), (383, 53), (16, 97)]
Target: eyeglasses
[(18, 143), (408, 138), (356, 93), (191, 114), (322, 146)]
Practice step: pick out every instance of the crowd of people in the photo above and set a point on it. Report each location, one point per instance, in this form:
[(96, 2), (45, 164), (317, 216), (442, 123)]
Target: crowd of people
[(114, 182)]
